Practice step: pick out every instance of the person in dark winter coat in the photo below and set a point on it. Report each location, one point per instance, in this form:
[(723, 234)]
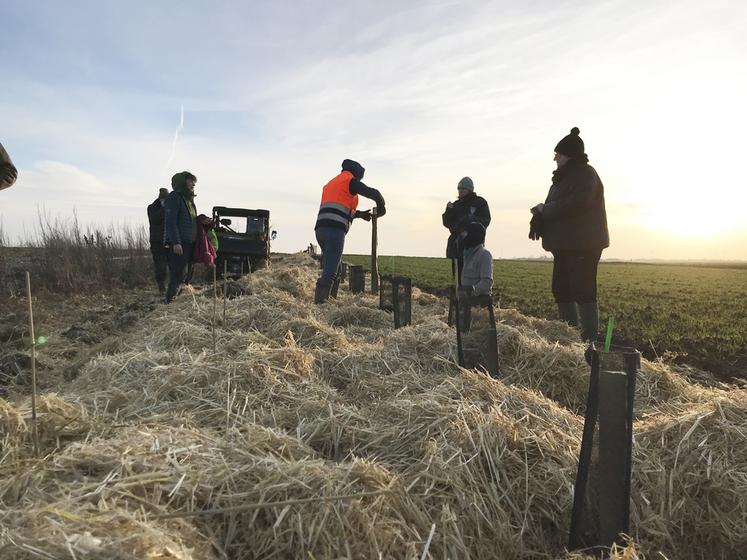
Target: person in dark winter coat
[(338, 208), (458, 215), (572, 223), (180, 229), (8, 171), (158, 250)]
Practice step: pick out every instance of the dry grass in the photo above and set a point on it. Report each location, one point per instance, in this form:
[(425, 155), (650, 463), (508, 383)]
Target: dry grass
[(321, 432)]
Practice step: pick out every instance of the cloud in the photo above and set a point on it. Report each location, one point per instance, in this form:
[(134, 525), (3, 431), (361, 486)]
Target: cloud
[(59, 189), (279, 94)]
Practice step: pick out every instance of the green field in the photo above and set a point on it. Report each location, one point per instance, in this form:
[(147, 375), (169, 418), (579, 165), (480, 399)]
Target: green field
[(698, 312)]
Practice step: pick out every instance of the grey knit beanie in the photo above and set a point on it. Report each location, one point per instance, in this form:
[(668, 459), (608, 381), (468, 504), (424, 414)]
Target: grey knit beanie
[(466, 183)]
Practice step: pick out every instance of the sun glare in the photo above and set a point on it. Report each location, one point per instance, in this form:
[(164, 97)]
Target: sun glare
[(684, 175)]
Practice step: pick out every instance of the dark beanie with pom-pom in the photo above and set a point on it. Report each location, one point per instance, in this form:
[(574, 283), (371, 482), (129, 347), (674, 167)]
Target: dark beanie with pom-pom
[(572, 145)]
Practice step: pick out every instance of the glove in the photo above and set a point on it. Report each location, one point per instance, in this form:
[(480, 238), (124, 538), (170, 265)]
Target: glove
[(365, 215), (380, 211), (535, 227)]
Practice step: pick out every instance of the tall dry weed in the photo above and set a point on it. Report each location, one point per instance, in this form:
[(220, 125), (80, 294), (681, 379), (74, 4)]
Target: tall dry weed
[(67, 257)]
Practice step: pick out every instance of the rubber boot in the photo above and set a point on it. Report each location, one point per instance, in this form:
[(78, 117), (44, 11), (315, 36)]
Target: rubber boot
[(589, 313), (335, 287), (569, 313), (321, 293)]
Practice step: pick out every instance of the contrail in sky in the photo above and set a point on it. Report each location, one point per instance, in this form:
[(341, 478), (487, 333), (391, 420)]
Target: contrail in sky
[(176, 136)]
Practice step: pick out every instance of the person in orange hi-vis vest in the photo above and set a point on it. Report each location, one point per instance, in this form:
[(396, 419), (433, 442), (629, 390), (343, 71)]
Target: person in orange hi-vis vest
[(338, 208)]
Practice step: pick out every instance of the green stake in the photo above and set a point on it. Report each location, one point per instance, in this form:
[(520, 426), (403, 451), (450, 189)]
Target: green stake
[(608, 339)]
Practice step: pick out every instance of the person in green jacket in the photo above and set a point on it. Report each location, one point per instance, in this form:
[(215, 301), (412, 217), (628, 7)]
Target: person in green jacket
[(180, 229)]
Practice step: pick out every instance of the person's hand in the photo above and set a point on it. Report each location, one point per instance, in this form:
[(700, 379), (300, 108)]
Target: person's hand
[(535, 227), (178, 249), (449, 205), (364, 215), (379, 211)]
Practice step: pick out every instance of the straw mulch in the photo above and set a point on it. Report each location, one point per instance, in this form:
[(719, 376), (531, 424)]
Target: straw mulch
[(321, 432)]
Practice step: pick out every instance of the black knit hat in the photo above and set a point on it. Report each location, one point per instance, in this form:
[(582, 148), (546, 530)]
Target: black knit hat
[(354, 167), (475, 235), (572, 145)]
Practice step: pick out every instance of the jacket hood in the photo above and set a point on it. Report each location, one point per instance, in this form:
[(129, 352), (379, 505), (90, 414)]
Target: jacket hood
[(179, 182)]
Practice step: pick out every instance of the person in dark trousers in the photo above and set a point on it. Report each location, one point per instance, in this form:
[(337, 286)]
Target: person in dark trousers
[(158, 250), (180, 229), (8, 171), (572, 223), (338, 208), (467, 208)]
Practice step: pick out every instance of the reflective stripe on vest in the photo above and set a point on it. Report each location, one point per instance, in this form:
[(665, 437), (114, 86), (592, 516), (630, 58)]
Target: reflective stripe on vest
[(337, 203)]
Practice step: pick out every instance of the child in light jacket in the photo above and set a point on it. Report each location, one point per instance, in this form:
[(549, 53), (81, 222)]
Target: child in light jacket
[(477, 273)]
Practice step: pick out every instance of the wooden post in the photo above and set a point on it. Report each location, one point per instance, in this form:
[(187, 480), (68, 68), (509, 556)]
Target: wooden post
[(215, 302), (374, 251), (225, 281), (34, 429), (228, 399)]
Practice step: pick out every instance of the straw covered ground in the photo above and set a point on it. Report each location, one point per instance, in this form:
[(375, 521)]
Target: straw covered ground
[(321, 432)]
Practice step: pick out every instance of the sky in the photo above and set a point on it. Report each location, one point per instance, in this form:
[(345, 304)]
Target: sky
[(102, 102)]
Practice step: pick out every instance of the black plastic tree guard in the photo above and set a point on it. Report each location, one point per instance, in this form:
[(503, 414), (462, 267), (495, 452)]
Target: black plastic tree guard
[(601, 501), (478, 343), (452, 307), (356, 279), (395, 295)]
